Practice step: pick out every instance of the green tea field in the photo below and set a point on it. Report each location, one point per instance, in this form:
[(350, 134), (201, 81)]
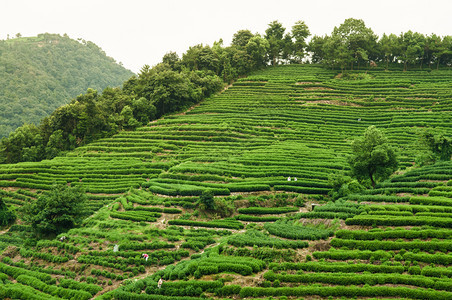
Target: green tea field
[(265, 148)]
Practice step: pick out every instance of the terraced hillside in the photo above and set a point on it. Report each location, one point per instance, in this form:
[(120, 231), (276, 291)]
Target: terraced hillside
[(266, 238)]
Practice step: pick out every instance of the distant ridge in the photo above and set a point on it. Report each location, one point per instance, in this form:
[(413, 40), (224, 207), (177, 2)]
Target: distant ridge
[(39, 74)]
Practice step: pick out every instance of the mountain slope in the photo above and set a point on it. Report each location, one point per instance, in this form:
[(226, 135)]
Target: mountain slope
[(145, 187), (39, 74)]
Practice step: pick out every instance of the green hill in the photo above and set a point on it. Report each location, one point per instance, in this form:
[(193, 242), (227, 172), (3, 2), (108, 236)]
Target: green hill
[(149, 191), (39, 74)]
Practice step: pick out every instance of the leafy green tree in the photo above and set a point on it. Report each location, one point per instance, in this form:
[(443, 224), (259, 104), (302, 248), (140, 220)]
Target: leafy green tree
[(22, 143), (343, 185), (171, 91), (300, 32), (411, 48), (316, 47), (438, 143), (372, 157), (337, 52), (207, 199), (7, 216), (442, 51), (128, 120), (56, 144), (388, 47), (143, 110), (241, 38), (357, 38), (274, 34), (60, 209), (172, 60), (257, 48)]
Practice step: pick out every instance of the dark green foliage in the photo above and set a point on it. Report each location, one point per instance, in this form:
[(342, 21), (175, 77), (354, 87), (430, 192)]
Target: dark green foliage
[(39, 74), (58, 210), (343, 186), (206, 199), (372, 157), (439, 144), (352, 43), (7, 216)]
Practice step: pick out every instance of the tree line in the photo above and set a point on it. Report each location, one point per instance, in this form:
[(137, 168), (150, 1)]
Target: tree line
[(180, 82), (353, 44)]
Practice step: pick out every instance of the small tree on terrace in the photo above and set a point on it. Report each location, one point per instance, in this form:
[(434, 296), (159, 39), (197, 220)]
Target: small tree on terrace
[(6, 215), (58, 210), (438, 143), (372, 157)]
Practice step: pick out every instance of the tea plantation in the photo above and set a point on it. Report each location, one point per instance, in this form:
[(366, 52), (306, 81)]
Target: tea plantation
[(267, 237)]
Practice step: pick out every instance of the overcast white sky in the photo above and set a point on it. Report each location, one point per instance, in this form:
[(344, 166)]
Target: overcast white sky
[(138, 32)]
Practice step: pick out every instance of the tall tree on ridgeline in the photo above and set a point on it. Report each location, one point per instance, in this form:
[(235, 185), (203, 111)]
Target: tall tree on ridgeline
[(388, 47), (258, 48), (411, 48), (274, 34), (300, 32), (316, 48), (241, 38), (442, 51), (359, 40)]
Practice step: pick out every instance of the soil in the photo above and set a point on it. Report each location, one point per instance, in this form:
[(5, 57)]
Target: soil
[(318, 88), (331, 102)]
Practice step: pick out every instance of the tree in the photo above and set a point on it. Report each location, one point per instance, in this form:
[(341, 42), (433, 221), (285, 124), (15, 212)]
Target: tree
[(372, 157), (388, 47), (60, 209), (438, 143), (411, 48), (358, 39), (241, 38), (172, 60), (24, 141), (442, 50), (257, 49), (274, 35), (6, 215), (207, 199), (316, 47), (300, 32)]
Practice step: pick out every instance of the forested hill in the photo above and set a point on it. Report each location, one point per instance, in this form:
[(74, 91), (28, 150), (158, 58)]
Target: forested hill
[(39, 74)]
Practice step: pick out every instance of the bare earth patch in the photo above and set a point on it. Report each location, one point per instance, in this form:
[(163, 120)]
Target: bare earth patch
[(318, 88), (306, 82), (332, 102)]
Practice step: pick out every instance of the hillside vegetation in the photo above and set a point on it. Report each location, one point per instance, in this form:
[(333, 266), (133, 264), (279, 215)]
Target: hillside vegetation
[(241, 145), (178, 83), (246, 193), (39, 74)]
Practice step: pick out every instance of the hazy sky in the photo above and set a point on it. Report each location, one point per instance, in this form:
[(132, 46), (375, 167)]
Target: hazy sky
[(138, 32)]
